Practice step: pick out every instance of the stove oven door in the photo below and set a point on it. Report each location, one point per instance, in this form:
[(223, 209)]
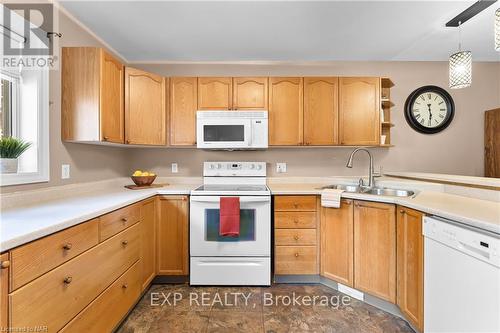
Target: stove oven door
[(255, 228)]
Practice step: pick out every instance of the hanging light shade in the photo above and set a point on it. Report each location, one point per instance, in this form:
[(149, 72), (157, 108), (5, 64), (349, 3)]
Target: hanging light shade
[(497, 30), (460, 66), (461, 69)]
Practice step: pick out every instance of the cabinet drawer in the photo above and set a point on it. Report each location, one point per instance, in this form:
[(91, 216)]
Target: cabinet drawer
[(38, 257), (295, 236), (296, 260), (55, 298), (114, 222), (107, 310), (294, 202), (295, 220)]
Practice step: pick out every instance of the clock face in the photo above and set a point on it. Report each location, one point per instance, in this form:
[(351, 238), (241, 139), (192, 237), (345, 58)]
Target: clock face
[(429, 109)]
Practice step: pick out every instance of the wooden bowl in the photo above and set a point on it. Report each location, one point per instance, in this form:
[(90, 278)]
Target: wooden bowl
[(143, 180)]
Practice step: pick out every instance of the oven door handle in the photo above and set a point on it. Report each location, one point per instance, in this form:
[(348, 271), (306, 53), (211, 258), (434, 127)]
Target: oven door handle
[(242, 199)]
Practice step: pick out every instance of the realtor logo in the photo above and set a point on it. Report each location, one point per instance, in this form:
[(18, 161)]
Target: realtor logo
[(27, 39)]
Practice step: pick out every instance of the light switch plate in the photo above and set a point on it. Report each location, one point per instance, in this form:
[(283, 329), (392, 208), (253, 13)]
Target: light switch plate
[(175, 168), (280, 167), (65, 171)]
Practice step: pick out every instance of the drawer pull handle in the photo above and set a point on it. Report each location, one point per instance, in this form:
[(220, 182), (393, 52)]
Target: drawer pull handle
[(106, 138), (402, 211), (295, 221), (295, 205), (347, 202), (125, 286), (124, 219), (125, 242), (68, 279), (5, 264), (296, 237), (296, 255), (67, 246)]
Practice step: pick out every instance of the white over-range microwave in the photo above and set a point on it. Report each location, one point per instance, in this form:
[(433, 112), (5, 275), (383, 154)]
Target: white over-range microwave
[(232, 130)]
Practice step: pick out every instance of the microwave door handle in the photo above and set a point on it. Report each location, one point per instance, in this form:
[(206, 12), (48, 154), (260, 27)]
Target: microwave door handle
[(242, 199)]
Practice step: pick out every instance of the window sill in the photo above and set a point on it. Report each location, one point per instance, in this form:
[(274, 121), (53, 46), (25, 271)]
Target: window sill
[(22, 178)]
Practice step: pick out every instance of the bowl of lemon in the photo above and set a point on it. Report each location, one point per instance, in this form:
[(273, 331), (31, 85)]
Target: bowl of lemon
[(143, 178)]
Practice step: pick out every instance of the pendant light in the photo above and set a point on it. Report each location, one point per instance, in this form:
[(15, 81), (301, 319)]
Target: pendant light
[(460, 66), (497, 30)]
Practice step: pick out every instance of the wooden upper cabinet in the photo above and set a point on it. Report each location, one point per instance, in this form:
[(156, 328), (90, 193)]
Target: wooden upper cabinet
[(410, 265), (375, 249), (215, 93), (173, 235), (145, 109), (91, 96), (321, 110), (285, 111), (359, 110), (337, 243), (183, 106), (250, 93)]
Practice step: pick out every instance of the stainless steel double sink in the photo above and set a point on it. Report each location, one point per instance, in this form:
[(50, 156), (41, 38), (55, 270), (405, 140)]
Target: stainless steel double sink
[(375, 190)]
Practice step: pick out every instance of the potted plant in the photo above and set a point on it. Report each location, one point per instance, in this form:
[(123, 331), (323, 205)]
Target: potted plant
[(10, 150)]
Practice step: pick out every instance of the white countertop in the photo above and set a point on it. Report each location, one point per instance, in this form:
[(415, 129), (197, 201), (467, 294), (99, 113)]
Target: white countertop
[(456, 179), (30, 215)]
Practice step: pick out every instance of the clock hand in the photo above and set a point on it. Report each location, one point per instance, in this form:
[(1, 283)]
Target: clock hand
[(430, 112)]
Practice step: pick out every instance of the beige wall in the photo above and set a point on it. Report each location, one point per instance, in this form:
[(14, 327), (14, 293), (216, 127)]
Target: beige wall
[(87, 162), (456, 150)]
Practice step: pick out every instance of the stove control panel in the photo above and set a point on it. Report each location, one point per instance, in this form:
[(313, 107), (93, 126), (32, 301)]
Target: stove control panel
[(234, 169)]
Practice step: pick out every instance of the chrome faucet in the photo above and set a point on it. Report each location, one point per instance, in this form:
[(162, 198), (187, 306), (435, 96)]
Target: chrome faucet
[(371, 180)]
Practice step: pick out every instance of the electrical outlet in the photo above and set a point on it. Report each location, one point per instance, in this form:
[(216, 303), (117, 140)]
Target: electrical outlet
[(280, 167), (175, 168), (65, 169)]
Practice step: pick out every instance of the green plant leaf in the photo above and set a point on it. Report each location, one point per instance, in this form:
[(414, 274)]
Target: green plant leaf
[(11, 147)]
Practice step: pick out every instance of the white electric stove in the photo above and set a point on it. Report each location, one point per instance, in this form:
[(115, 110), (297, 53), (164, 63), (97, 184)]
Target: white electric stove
[(243, 260)]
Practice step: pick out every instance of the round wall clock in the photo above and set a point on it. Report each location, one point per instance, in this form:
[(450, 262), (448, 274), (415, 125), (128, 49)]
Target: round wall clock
[(429, 109)]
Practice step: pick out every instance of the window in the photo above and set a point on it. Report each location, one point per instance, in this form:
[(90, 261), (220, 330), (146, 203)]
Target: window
[(24, 114)]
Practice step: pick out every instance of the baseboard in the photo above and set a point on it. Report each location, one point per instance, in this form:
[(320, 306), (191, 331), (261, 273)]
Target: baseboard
[(162, 279)]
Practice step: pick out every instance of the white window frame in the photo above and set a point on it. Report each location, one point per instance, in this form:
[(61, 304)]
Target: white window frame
[(42, 174)]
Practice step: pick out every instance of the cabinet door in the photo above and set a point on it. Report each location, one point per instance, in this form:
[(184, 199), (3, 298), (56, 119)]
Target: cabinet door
[(285, 111), (375, 249), (183, 106), (148, 242), (145, 112), (111, 102), (215, 93), (410, 265), (359, 110), (250, 93), (337, 243), (172, 236), (321, 110), (4, 291)]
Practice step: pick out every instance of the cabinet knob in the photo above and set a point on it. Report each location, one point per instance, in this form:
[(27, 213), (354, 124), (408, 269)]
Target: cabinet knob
[(125, 242), (357, 204), (402, 211), (105, 138), (296, 221), (124, 219), (124, 286), (295, 205), (296, 237), (296, 255), (67, 246), (184, 198), (68, 279), (347, 202), (127, 141), (5, 264)]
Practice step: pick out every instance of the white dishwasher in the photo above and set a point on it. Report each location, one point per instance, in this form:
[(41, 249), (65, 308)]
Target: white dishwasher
[(461, 278)]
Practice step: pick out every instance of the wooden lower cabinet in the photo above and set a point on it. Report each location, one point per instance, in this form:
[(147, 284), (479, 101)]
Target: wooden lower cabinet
[(173, 235), (410, 265), (148, 241), (4, 291), (296, 235), (55, 298), (337, 250), (375, 249), (107, 310)]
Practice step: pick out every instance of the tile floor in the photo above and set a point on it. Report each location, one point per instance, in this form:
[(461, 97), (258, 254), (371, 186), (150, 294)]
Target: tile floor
[(180, 308)]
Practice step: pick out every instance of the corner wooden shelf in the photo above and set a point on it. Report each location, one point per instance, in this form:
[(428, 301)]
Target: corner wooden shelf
[(385, 108)]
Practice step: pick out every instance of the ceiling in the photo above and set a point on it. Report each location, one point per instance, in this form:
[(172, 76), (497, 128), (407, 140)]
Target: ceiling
[(188, 31)]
